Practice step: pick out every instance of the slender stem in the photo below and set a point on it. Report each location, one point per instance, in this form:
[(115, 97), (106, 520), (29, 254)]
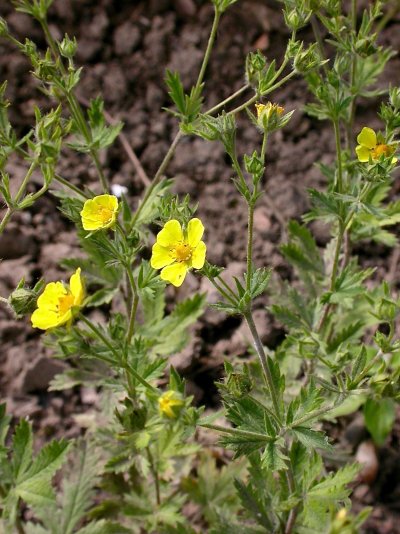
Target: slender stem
[(292, 489), (250, 225), (18, 195), (352, 110), (254, 99), (135, 302), (75, 107), (264, 146), (339, 183), (158, 176), (237, 432), (264, 363), (70, 186), (210, 44), (371, 364), (115, 353), (155, 475), (217, 107), (316, 414), (227, 287), (223, 292)]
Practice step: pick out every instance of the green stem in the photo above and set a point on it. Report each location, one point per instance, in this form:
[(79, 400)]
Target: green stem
[(70, 186), (264, 363), (223, 293), (135, 303), (155, 475), (210, 44), (264, 146), (250, 228), (227, 287), (157, 178), (316, 414), (212, 110), (75, 107), (115, 353), (256, 97), (18, 195), (339, 184), (237, 432), (352, 110)]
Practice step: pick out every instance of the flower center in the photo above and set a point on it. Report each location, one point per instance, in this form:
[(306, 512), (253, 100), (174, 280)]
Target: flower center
[(183, 252), (65, 303), (105, 214), (380, 150)]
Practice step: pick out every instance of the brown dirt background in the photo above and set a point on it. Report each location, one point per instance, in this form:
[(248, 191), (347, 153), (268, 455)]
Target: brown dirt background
[(125, 47)]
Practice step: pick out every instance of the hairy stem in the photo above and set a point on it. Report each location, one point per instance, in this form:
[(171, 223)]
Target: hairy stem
[(264, 363)]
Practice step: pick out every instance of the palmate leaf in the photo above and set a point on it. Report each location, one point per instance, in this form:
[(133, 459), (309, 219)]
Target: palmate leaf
[(77, 488), (323, 495)]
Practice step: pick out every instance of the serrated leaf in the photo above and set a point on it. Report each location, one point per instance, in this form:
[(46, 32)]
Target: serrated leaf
[(312, 438)]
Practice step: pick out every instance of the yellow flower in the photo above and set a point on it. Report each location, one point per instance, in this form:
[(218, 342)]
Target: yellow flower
[(176, 251), (170, 404), (368, 146), (268, 110), (99, 213), (55, 305)]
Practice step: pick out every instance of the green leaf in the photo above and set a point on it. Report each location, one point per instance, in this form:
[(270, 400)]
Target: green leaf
[(22, 448), (78, 487), (273, 457), (312, 438), (379, 417)]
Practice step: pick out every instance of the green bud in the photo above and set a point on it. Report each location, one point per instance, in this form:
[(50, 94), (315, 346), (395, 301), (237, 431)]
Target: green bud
[(254, 165), (23, 299), (306, 61), (255, 64), (68, 47)]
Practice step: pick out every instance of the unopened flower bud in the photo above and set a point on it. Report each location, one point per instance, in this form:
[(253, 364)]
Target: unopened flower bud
[(68, 47), (23, 301), (269, 115)]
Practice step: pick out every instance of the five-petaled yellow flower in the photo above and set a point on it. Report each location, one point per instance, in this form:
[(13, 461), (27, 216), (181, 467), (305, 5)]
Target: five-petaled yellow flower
[(170, 404), (99, 213), (55, 305), (369, 147), (176, 250)]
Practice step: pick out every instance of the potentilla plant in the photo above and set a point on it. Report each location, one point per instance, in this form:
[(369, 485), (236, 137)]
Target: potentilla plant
[(139, 463)]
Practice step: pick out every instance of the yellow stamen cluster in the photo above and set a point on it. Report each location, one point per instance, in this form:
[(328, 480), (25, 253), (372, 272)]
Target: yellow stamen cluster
[(369, 148)]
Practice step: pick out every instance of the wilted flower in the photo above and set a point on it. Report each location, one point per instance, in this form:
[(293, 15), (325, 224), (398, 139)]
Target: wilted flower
[(170, 404), (55, 305), (369, 147), (176, 250), (99, 213)]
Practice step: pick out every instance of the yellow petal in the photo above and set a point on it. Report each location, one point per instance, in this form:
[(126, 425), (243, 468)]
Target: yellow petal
[(161, 257), (76, 287), (195, 231), (50, 296), (175, 273), (45, 319), (107, 201), (367, 138), (171, 234), (199, 255), (363, 153)]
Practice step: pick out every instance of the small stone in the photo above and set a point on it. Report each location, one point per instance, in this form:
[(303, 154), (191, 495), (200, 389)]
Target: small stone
[(366, 456)]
